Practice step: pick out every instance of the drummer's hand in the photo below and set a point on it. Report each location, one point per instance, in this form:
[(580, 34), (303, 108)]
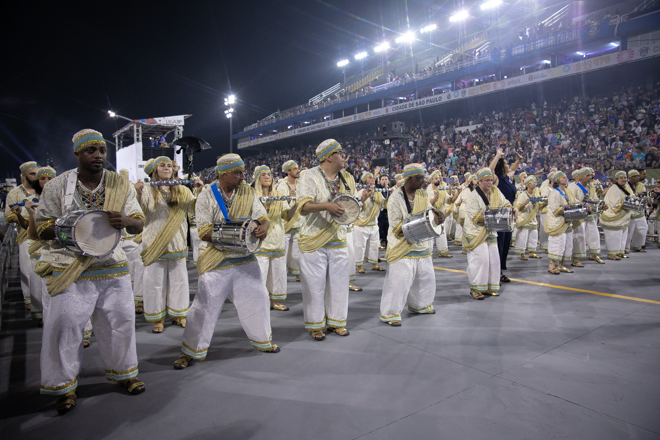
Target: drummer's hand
[(31, 206), (199, 185), (588, 208), (139, 185), (16, 209), (119, 220), (261, 231), (369, 191), (481, 221), (515, 214), (439, 217), (335, 209)]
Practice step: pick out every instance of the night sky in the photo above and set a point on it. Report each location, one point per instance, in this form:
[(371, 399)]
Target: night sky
[(66, 63)]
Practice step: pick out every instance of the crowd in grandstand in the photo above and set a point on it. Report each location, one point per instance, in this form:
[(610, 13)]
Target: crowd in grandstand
[(608, 132)]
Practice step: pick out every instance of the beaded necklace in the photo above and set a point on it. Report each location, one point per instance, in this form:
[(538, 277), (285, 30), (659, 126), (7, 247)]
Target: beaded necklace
[(92, 199), (331, 184), (228, 200), (167, 195)]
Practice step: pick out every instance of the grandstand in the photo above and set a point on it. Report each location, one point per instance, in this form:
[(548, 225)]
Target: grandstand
[(555, 44)]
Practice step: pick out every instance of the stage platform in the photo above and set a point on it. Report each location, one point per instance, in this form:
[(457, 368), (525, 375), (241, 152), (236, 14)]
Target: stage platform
[(572, 356)]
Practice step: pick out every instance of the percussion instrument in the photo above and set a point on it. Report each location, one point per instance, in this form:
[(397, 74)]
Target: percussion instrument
[(422, 227), (449, 188), (575, 212), (633, 204), (538, 199), (171, 182), (378, 190), (23, 203), (351, 205), (595, 205), (276, 199), (499, 220), (236, 235), (87, 232)]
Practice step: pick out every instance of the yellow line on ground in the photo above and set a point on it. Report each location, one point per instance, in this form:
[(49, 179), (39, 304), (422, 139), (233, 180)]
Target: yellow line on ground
[(593, 292)]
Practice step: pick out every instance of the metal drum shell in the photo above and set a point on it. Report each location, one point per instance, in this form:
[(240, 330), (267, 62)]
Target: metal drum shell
[(499, 220), (573, 213), (65, 233), (420, 227), (346, 201), (236, 235), (633, 204)]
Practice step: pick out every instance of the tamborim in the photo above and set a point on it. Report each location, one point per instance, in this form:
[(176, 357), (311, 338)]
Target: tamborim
[(351, 207), (236, 235), (500, 220), (422, 227), (574, 213), (87, 232)]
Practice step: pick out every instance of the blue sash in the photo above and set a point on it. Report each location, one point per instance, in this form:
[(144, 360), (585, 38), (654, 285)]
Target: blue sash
[(562, 193), (582, 188), (219, 199)]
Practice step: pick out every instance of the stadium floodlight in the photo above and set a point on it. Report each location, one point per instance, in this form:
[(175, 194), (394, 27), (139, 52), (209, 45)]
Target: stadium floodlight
[(546, 61), (429, 28), (229, 112), (580, 53), (459, 16), (614, 44), (231, 99), (342, 63), (359, 56), (490, 4), (408, 37), (115, 115), (112, 114), (382, 47)]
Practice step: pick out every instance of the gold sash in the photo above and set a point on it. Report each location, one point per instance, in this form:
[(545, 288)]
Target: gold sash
[(440, 202), (493, 203), (240, 208), (274, 211), (22, 236), (116, 192), (137, 238), (314, 242), (532, 214), (564, 226), (398, 251), (174, 219), (375, 210)]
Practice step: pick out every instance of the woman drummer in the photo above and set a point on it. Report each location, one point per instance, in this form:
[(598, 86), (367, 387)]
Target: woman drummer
[(560, 231), (271, 256), (164, 236), (527, 224), (470, 183), (481, 244), (614, 220)]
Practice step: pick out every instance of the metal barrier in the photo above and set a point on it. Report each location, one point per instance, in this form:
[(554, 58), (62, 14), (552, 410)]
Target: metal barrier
[(6, 251)]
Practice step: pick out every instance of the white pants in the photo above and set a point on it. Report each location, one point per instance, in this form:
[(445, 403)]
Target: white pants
[(242, 284), (324, 278), (292, 253), (166, 289), (593, 237), (138, 282), (411, 279), (580, 241), (560, 248), (36, 310), (483, 269), (449, 224), (527, 240), (109, 304), (273, 273), (25, 266), (615, 241), (366, 240), (132, 251), (458, 237), (543, 236), (351, 256), (637, 229), (653, 224), (514, 234), (195, 240), (440, 243)]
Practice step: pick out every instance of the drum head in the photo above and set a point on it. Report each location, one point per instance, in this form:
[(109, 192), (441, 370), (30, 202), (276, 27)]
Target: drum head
[(94, 234), (439, 229), (351, 209), (252, 243)]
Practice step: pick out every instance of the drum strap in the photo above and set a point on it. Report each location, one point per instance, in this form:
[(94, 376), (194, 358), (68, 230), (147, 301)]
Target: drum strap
[(220, 200), (70, 188), (483, 197)]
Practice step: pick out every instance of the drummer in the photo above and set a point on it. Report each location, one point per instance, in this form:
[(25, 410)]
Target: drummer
[(166, 287), (527, 224), (411, 276), (638, 226), (324, 267), (350, 244), (585, 232), (471, 182), (80, 287), (271, 255), (366, 234), (481, 244), (560, 231), (225, 273), (615, 219), (437, 197), (546, 187), (287, 186)]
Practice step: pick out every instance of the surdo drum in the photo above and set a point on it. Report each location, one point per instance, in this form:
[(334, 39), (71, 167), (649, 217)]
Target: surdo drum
[(422, 227), (236, 235), (87, 232)]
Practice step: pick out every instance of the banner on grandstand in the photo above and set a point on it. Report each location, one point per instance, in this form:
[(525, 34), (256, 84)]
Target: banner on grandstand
[(167, 120), (609, 60)]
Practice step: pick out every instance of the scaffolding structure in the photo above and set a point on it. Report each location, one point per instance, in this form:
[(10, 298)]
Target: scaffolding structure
[(134, 131)]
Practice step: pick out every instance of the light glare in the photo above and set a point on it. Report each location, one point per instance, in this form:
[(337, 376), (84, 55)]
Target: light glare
[(382, 47), (459, 16), (359, 56), (490, 4), (408, 37), (428, 28), (342, 63), (112, 114)]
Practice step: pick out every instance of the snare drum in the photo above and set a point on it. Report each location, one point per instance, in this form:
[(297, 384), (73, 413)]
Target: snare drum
[(351, 205), (87, 232), (499, 220), (595, 205), (633, 204), (236, 235), (422, 227), (574, 213)]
